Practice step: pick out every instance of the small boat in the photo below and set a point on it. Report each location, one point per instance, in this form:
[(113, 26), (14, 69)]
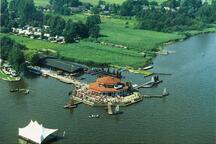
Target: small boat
[(94, 116), (35, 70), (148, 67), (26, 91), (14, 90), (69, 106), (165, 93)]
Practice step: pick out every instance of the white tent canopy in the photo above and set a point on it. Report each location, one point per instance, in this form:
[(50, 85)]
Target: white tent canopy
[(35, 132)]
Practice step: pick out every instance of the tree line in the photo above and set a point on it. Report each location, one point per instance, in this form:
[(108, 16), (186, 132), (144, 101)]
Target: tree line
[(19, 13), (172, 15), (13, 52)]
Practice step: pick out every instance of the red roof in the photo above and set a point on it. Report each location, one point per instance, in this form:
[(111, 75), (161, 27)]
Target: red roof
[(95, 87), (108, 80)]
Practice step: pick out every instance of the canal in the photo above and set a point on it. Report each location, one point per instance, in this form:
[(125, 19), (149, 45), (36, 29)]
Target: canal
[(187, 116)]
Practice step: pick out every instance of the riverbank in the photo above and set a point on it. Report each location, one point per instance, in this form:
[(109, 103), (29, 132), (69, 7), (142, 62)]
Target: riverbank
[(9, 78)]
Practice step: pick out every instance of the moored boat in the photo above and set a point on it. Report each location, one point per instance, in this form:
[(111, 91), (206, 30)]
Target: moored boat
[(94, 116)]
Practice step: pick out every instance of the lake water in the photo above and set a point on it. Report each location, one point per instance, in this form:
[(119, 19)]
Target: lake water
[(187, 116)]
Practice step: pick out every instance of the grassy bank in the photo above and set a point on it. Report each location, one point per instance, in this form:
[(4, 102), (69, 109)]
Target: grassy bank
[(3, 76)]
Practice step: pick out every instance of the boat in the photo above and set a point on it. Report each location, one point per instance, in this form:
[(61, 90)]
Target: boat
[(26, 91), (117, 111), (165, 93), (148, 67), (14, 90), (94, 116), (69, 106), (35, 70)]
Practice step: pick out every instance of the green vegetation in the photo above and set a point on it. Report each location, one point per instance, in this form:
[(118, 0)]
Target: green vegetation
[(170, 16), (87, 52), (12, 51), (120, 31), (6, 77)]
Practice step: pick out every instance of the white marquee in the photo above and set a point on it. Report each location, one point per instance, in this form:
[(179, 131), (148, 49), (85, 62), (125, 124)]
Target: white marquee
[(35, 132)]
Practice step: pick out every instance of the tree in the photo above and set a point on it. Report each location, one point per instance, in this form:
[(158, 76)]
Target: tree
[(94, 31), (57, 25), (4, 16), (16, 57), (82, 29), (12, 51), (93, 20), (62, 6), (70, 32), (6, 45), (92, 23)]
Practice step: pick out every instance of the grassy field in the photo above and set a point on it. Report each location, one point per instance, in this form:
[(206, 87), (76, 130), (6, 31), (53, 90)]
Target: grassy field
[(113, 30), (87, 52)]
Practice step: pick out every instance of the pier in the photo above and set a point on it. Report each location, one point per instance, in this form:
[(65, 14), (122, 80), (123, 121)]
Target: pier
[(154, 81)]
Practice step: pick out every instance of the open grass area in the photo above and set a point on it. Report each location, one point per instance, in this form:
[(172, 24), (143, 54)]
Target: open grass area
[(87, 52), (41, 2), (113, 30)]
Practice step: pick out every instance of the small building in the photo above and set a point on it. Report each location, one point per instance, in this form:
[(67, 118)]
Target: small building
[(109, 86), (62, 65)]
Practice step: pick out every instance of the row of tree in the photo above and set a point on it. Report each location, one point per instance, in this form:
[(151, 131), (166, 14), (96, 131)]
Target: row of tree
[(12, 51), (63, 6), (172, 15), (72, 30)]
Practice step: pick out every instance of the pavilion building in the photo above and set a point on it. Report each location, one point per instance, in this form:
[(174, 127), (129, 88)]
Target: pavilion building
[(109, 86)]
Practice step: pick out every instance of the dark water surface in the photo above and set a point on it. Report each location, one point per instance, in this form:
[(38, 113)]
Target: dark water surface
[(187, 116)]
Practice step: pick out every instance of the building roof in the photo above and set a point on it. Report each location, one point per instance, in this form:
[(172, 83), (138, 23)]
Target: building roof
[(108, 80), (98, 86), (62, 64), (35, 132)]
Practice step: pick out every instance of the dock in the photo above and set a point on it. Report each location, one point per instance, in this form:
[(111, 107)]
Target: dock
[(154, 81), (164, 94)]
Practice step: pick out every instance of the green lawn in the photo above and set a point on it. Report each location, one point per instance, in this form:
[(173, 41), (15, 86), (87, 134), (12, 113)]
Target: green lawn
[(113, 30), (87, 52), (41, 2)]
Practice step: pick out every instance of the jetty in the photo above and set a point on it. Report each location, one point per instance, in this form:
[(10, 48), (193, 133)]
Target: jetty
[(164, 94), (64, 79), (154, 81), (165, 52)]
